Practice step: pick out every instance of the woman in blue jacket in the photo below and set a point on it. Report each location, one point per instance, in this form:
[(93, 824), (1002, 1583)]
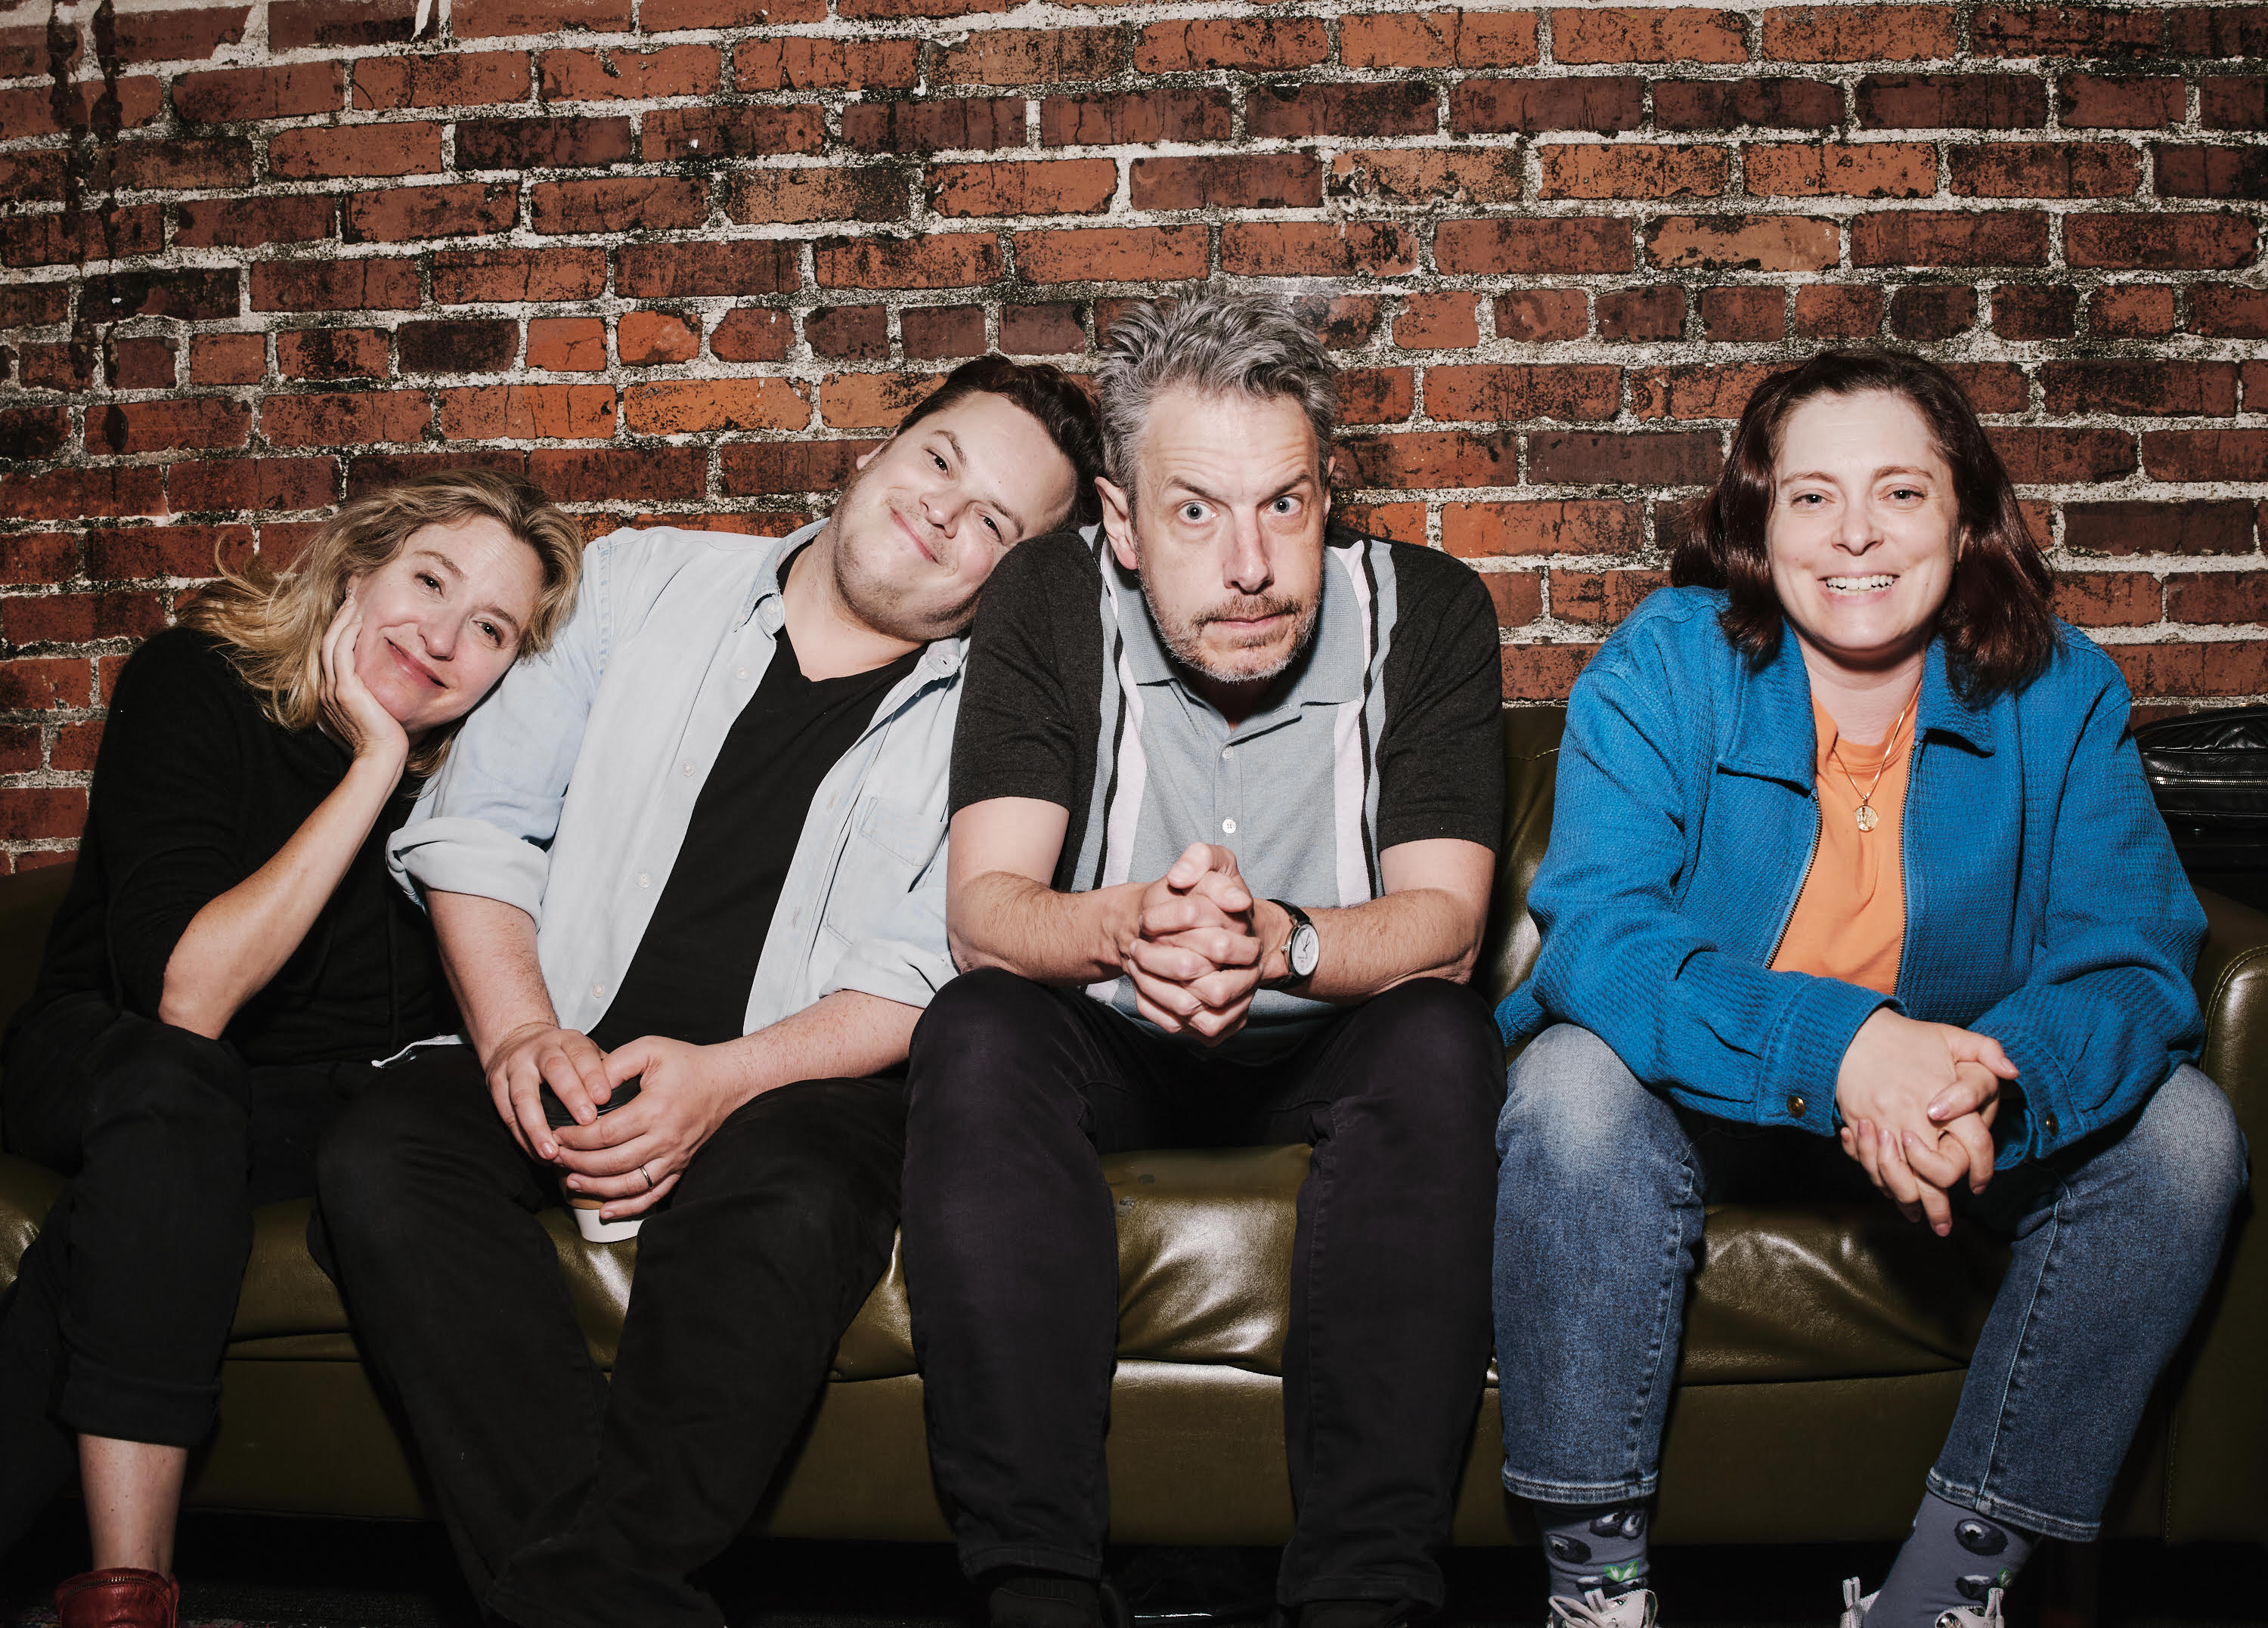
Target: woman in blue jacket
[(1854, 877)]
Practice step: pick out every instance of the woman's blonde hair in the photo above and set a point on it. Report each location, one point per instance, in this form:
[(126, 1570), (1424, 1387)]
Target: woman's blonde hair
[(273, 623)]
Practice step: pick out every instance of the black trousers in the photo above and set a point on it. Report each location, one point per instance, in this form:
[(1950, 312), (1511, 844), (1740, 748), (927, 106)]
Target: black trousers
[(121, 1311), (573, 1504), (1012, 1262)]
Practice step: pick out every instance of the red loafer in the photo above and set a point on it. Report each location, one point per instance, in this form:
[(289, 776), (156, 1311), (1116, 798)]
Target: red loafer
[(124, 1597)]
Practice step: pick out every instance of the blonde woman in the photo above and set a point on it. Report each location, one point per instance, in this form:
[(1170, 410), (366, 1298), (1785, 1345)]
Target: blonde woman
[(228, 966)]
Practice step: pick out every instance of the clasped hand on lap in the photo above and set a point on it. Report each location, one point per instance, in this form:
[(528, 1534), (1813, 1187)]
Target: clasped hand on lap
[(1192, 947), (1917, 1101)]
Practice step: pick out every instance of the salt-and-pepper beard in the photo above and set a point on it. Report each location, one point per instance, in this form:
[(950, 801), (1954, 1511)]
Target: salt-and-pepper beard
[(1186, 640)]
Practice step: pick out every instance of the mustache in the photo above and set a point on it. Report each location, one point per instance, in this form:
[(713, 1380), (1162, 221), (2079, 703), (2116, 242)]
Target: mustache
[(1248, 608)]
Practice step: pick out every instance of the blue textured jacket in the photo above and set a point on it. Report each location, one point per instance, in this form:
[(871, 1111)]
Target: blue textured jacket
[(2044, 906)]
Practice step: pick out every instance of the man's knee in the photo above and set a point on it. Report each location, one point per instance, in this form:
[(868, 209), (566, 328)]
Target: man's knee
[(1435, 1045), (1569, 1102), (988, 1037), (191, 1087)]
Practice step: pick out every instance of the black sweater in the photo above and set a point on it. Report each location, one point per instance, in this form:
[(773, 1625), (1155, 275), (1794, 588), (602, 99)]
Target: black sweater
[(194, 791)]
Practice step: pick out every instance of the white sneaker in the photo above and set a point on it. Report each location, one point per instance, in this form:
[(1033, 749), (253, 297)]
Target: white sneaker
[(1984, 1615), (1634, 1609)]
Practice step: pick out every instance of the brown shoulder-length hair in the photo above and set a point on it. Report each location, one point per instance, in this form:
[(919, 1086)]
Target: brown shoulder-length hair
[(272, 623), (1999, 631)]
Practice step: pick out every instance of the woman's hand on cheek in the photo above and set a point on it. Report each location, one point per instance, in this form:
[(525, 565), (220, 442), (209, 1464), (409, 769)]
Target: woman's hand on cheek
[(362, 722)]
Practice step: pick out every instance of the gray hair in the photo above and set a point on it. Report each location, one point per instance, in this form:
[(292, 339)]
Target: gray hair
[(1219, 342)]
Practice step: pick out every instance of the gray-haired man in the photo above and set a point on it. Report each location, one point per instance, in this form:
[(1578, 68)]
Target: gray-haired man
[(1226, 794)]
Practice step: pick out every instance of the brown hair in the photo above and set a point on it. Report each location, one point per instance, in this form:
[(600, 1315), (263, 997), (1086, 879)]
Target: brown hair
[(273, 623), (1999, 631), (1047, 392)]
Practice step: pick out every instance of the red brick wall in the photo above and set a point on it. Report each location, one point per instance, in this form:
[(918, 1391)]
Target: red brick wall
[(674, 257)]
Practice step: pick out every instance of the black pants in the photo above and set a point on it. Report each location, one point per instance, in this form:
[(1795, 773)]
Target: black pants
[(1012, 1262), (121, 1311), (573, 1505)]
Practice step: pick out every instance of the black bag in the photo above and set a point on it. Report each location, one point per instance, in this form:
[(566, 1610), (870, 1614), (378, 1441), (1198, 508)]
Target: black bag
[(2209, 773)]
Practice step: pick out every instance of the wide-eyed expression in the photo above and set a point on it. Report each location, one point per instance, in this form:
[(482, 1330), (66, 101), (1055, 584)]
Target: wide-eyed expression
[(442, 620)]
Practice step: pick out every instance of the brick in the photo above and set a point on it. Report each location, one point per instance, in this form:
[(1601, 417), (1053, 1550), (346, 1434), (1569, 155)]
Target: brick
[(458, 345), (75, 749), (2233, 104), (2189, 172), (658, 17), (803, 63), (1719, 391), (27, 434), (937, 331), (450, 79), (1653, 313), (1251, 44), (752, 335), (1837, 311), (488, 20), (2151, 242), (331, 353), (265, 485), (140, 554), (1670, 34), (1576, 526), (471, 276), (687, 270), (26, 304), (189, 34), (1542, 314), (1437, 322), (2205, 454), (2143, 311), (2093, 101), (1740, 103), (656, 474), (869, 401), (1342, 321), (731, 132), (1168, 113), (67, 366), (1143, 254), (1590, 170), (1429, 175), (29, 814), (1241, 181), (1401, 107), (2224, 312), (371, 472), (247, 222), (167, 426), (1951, 102), (722, 404), (1861, 34), (1003, 56), (1560, 244), (567, 344), (850, 332), (2045, 170), (938, 260), (956, 124), (31, 111), (402, 214), (228, 95), (334, 420), (32, 177), (1400, 523), (53, 239), (617, 74), (1744, 242), (761, 469), (2217, 597), (2047, 457), (297, 24), (1056, 330), (80, 618), (628, 203), (1455, 38), (1317, 249), (1427, 459), (2062, 31), (1497, 393), (1601, 106), (141, 363), (1576, 457), (1842, 169), (44, 686), (2230, 31), (1933, 237), (334, 285), (24, 51), (189, 294), (2222, 668), (2025, 311), (1603, 597), (528, 412), (227, 359), (869, 193), (656, 338), (548, 143), (1037, 187), (1929, 314), (183, 162), (1518, 596), (325, 152), (2107, 598), (1542, 672)]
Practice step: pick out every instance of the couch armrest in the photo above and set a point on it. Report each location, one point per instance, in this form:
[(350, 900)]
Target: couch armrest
[(2217, 1448)]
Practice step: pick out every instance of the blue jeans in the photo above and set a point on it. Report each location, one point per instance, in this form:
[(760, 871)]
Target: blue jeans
[(1600, 1183)]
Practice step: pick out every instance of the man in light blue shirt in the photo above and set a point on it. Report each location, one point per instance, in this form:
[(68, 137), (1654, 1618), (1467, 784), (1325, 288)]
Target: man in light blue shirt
[(688, 875)]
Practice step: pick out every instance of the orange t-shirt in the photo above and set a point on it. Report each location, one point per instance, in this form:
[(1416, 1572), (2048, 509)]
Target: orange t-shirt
[(1850, 921)]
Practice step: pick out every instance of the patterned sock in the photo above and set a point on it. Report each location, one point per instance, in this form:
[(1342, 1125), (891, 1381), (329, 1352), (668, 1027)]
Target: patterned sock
[(1594, 1546), (1952, 1559)]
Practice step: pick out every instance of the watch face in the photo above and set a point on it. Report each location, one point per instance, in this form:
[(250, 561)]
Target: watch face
[(1305, 949)]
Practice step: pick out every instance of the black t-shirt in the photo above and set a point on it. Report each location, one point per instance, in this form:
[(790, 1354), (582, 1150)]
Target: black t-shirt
[(690, 977), (194, 790)]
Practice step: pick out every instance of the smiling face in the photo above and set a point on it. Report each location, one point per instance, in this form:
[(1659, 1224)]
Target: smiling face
[(1864, 528), (442, 620), (1225, 527), (932, 510)]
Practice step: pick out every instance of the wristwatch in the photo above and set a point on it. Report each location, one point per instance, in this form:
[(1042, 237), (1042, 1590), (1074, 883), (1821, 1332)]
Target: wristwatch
[(1301, 951)]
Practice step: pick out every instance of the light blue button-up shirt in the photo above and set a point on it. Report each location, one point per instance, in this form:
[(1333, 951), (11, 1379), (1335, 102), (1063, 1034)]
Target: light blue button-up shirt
[(569, 791)]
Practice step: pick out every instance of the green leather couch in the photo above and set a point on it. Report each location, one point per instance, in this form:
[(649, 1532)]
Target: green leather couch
[(1823, 1354)]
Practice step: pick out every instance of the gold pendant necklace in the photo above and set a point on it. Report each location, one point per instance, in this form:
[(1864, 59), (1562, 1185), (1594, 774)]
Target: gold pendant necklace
[(1866, 816)]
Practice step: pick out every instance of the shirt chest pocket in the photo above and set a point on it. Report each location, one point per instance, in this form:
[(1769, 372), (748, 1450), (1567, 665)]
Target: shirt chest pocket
[(891, 845)]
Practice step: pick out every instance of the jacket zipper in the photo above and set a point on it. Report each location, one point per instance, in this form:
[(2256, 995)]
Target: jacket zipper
[(1818, 824)]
